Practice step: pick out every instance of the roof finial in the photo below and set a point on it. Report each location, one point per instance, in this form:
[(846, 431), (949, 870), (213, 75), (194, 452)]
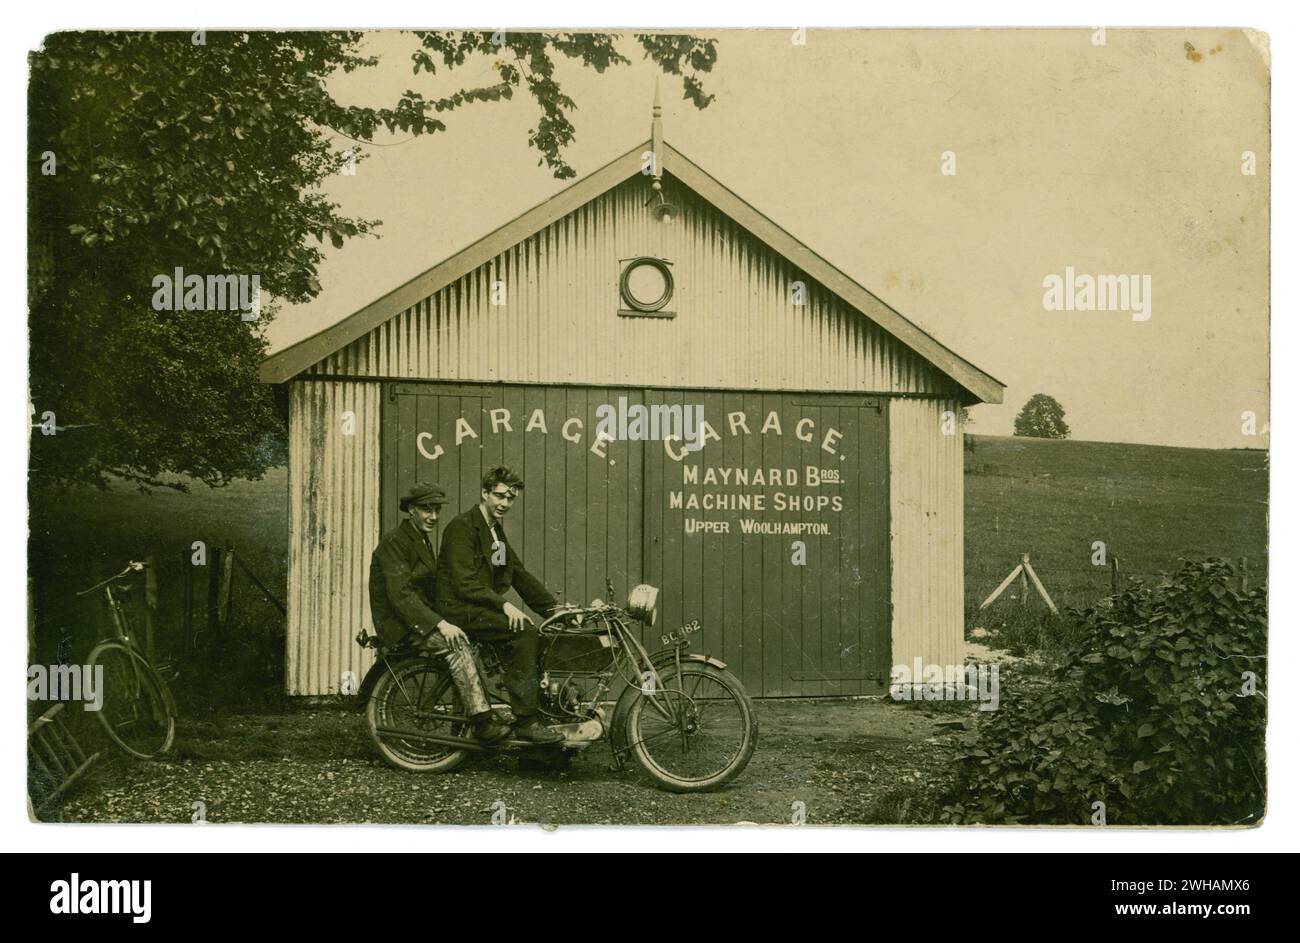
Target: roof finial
[(657, 132), (663, 211)]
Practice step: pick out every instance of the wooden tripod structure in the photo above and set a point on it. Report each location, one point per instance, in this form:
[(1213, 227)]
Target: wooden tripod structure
[(1025, 571)]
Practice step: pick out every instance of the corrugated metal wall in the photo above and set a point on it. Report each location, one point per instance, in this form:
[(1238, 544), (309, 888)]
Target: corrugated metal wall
[(333, 527), (734, 328), (925, 533)]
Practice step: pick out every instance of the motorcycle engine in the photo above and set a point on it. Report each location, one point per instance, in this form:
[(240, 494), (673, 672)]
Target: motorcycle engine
[(566, 696)]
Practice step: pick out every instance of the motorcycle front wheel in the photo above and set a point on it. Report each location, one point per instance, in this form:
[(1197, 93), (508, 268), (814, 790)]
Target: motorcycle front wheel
[(696, 731), (416, 695)]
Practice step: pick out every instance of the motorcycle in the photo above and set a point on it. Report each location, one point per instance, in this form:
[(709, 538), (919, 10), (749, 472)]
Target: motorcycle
[(681, 716)]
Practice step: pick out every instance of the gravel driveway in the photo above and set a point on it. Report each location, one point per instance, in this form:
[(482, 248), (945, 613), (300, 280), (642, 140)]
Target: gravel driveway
[(847, 761)]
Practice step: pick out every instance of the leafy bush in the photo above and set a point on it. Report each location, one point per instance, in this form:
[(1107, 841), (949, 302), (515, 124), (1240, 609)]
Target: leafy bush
[(1147, 711)]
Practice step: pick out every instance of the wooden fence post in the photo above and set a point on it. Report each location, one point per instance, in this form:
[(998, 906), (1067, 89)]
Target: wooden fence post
[(187, 599), (1025, 571), (149, 608), (1038, 585), (228, 581), (214, 595), (101, 617)]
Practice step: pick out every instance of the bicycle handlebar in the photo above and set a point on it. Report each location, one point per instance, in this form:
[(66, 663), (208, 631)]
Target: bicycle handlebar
[(132, 566)]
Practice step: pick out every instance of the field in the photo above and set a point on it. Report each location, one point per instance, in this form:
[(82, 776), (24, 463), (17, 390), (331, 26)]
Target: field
[(1150, 505)]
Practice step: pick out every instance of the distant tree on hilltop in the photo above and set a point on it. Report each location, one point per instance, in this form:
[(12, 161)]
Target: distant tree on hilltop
[(1042, 417)]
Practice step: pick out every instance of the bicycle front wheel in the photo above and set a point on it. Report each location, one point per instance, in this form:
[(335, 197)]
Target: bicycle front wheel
[(137, 710), (696, 732)]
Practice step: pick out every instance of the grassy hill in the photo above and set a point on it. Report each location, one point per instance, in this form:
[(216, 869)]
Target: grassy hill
[(1150, 504)]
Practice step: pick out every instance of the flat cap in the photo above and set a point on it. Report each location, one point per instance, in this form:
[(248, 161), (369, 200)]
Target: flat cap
[(423, 494)]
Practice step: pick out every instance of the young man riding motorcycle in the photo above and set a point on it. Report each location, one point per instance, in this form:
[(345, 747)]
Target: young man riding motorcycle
[(402, 575), (476, 568)]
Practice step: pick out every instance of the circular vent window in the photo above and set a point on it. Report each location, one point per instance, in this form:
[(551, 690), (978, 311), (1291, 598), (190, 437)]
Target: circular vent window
[(647, 284)]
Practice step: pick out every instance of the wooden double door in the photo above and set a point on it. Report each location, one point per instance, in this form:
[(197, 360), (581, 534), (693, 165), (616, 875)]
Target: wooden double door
[(773, 537)]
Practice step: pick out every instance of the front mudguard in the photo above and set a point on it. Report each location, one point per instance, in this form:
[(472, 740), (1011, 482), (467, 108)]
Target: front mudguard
[(661, 659)]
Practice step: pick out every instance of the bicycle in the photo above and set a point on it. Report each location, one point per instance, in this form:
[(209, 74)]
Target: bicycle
[(137, 711)]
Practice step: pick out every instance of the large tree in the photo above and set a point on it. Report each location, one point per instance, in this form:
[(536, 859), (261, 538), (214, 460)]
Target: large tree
[(1042, 417), (156, 151)]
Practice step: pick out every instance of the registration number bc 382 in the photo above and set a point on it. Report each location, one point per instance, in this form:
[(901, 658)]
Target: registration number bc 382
[(685, 631)]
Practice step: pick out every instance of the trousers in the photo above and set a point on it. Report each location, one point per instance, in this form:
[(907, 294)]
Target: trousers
[(463, 671), (518, 651)]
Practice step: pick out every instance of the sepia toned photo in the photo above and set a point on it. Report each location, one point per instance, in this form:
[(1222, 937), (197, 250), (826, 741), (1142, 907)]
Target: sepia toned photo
[(799, 427)]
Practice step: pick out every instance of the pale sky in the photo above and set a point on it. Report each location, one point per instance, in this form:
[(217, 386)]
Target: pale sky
[(1118, 159)]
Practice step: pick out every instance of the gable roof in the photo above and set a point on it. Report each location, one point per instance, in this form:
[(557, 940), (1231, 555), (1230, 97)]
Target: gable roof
[(291, 361)]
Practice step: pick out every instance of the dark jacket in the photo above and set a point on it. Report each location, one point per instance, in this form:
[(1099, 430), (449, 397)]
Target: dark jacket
[(402, 574), (471, 591)]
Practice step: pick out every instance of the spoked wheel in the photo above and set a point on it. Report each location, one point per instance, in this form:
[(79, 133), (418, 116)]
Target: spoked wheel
[(416, 695), (696, 732), (137, 712)]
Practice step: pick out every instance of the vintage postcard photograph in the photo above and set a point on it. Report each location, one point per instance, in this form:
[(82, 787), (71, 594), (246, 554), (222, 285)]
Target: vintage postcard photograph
[(649, 427)]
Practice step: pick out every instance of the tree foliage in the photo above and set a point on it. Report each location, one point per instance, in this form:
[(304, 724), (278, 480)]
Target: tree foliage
[(1042, 417), (1157, 711), (206, 152)]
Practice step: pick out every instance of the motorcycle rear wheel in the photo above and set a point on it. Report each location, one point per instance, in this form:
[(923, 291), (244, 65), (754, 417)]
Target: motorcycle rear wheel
[(697, 732), (413, 695)]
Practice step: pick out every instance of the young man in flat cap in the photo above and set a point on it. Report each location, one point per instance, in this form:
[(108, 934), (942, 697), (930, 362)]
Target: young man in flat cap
[(477, 567), (402, 599)]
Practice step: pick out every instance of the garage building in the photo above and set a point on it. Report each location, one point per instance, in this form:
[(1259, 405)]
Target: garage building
[(815, 537)]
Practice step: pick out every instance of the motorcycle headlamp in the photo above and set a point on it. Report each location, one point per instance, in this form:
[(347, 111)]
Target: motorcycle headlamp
[(641, 603)]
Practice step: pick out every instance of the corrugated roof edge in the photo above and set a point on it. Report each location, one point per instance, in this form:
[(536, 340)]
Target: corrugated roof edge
[(288, 363)]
